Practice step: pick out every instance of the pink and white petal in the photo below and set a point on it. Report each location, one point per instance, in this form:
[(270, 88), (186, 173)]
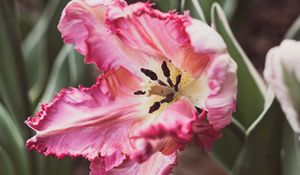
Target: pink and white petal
[(148, 30), (167, 133), (87, 121), (205, 134), (204, 39), (158, 164), (205, 44), (175, 121), (83, 24), (189, 43), (222, 82)]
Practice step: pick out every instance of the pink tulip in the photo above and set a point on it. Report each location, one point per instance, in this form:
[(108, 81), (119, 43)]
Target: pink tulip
[(158, 69)]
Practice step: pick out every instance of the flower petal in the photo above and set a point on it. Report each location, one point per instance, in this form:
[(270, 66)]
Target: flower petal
[(169, 132), (88, 121), (204, 39), (189, 43), (83, 24), (286, 55), (222, 82), (157, 164), (205, 134), (148, 30)]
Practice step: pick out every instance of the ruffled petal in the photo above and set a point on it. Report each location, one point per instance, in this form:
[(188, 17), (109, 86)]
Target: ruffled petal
[(148, 30), (168, 133), (89, 121), (222, 82), (83, 24), (204, 39), (188, 43), (157, 164), (205, 134)]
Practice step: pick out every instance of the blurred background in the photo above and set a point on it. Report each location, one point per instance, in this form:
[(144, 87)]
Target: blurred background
[(34, 65)]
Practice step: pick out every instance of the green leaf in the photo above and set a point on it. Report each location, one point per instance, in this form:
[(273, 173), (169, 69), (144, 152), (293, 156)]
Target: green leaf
[(224, 154), (166, 5), (181, 5), (12, 142), (13, 83), (294, 30), (60, 167), (261, 153), (59, 76), (6, 165), (201, 9), (35, 51), (196, 10), (291, 151), (250, 100), (80, 73)]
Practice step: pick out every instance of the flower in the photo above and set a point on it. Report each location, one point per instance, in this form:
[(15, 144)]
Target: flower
[(282, 65), (159, 70)]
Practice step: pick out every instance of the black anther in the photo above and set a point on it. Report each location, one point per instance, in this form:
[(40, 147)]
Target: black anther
[(154, 107), (149, 73), (161, 83), (178, 79), (198, 110), (139, 93), (170, 82), (168, 98), (165, 69)]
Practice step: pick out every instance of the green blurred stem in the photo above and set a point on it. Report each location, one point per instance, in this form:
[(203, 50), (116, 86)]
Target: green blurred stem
[(181, 6), (14, 38), (199, 10), (238, 128)]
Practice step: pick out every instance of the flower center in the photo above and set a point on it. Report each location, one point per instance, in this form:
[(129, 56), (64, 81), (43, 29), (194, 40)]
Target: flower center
[(159, 87)]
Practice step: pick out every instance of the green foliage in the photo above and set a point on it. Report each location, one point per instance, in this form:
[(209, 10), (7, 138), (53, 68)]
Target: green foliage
[(12, 144), (201, 9), (291, 151), (261, 152), (294, 30), (166, 6), (13, 83), (226, 154), (6, 165), (251, 88), (33, 56), (35, 51)]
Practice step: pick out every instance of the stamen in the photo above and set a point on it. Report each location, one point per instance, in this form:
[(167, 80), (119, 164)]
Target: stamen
[(198, 110), (139, 93), (149, 73), (170, 82), (178, 79), (165, 69), (169, 98), (161, 83), (154, 107)]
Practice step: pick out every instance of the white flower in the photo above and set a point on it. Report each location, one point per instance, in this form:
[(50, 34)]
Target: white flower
[(282, 72)]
